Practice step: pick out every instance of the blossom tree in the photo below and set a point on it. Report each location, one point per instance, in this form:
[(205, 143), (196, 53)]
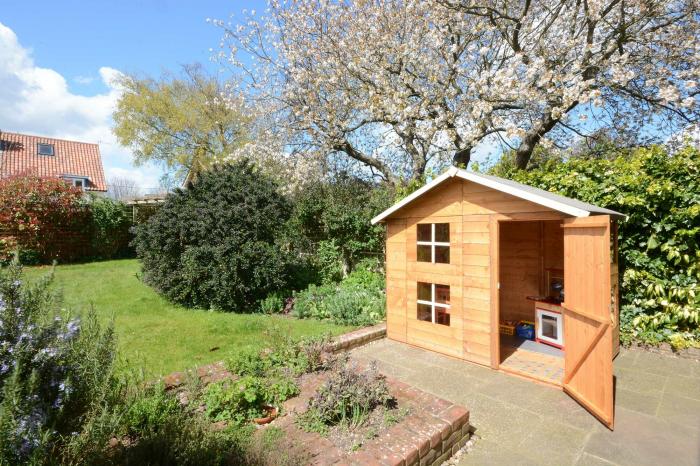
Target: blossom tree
[(394, 87)]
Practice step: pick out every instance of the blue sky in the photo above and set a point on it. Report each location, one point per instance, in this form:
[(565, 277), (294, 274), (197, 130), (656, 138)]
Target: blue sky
[(58, 58)]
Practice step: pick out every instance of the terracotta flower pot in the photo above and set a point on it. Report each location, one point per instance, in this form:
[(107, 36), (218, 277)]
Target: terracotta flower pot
[(270, 414)]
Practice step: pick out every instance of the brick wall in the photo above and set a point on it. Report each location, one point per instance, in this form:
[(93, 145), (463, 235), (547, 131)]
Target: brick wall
[(60, 243)]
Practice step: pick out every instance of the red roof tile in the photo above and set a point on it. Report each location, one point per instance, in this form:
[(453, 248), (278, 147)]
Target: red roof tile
[(20, 156)]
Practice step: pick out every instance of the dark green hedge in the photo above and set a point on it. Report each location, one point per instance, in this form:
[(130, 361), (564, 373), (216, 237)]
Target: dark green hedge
[(215, 245)]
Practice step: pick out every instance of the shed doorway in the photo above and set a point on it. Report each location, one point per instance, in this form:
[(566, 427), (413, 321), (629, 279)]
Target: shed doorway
[(531, 290)]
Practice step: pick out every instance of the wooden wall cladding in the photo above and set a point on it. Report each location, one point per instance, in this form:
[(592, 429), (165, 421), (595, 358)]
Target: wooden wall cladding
[(396, 279), (476, 283)]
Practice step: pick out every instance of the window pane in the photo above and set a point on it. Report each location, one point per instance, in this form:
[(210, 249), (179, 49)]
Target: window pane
[(45, 149), (424, 292), (442, 232), (442, 254), (424, 254), (442, 316), (425, 313), (424, 232), (442, 294)]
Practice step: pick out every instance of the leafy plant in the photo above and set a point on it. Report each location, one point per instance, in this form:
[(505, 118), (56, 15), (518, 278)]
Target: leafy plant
[(346, 398), (215, 245), (150, 411), (284, 355), (357, 300), (331, 223), (110, 224), (273, 303), (243, 399)]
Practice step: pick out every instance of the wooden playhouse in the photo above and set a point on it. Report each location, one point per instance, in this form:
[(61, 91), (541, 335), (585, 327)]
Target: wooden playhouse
[(508, 276)]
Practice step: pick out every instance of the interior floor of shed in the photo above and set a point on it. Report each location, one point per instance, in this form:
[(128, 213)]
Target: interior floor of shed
[(532, 359)]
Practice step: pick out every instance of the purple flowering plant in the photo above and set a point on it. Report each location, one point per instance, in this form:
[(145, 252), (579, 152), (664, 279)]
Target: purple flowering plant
[(53, 365)]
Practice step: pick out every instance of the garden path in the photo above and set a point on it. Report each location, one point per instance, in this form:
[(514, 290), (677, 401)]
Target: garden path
[(657, 410)]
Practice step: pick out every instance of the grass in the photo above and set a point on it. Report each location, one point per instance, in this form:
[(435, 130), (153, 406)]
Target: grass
[(157, 335)]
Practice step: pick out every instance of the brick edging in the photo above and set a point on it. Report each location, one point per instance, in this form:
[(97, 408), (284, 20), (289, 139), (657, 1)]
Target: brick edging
[(356, 338)]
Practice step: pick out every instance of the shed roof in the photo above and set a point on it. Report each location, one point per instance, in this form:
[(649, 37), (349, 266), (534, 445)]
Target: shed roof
[(544, 198)]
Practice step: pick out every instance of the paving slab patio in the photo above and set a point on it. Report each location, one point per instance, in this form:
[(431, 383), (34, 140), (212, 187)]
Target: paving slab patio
[(657, 409)]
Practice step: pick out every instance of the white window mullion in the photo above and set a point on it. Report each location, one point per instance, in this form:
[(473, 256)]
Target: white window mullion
[(432, 246), (432, 295)]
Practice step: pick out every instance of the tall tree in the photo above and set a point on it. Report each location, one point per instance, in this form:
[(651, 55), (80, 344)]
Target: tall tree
[(395, 86), (122, 188), (186, 122)]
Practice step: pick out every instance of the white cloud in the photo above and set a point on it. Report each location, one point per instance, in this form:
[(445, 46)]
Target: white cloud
[(37, 100), (84, 79)]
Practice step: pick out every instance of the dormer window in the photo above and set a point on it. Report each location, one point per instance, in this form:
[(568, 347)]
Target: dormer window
[(76, 181), (45, 149), (433, 243)]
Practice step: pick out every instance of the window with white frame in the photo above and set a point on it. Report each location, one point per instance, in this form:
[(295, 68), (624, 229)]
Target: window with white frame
[(76, 181), (434, 303), (433, 243)]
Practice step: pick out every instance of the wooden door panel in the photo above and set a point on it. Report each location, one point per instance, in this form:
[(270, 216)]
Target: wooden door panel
[(588, 323)]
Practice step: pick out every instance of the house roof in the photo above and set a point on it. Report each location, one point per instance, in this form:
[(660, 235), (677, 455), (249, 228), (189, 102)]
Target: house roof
[(19, 155), (544, 198)]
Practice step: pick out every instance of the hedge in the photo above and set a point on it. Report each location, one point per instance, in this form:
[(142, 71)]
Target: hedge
[(659, 192)]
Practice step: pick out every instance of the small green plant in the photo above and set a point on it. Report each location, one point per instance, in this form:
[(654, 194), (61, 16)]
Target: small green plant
[(285, 355), (150, 411), (357, 300), (244, 399), (346, 398), (273, 303)]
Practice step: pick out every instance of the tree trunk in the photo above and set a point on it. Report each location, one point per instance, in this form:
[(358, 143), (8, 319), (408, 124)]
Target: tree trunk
[(462, 157), (525, 149)]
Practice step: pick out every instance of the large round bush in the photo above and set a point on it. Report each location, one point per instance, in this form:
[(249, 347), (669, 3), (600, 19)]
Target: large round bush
[(214, 245)]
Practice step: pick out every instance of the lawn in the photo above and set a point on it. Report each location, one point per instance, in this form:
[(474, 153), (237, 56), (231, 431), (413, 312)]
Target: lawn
[(156, 335)]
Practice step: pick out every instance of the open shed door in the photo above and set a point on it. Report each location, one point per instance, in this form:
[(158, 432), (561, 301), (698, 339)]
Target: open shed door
[(588, 315)]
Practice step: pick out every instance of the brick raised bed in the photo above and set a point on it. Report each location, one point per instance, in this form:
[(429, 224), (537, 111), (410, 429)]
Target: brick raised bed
[(433, 430), (351, 340)]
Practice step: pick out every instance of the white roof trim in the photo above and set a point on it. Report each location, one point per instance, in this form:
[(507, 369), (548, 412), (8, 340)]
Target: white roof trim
[(550, 200), (528, 196)]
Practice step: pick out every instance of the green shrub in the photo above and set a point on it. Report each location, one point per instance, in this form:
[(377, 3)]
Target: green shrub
[(346, 398), (358, 300), (273, 303), (110, 225), (182, 439), (54, 369), (331, 223), (659, 240), (214, 245)]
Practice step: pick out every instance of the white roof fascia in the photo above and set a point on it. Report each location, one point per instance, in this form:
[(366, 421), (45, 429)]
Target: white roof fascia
[(523, 194)]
